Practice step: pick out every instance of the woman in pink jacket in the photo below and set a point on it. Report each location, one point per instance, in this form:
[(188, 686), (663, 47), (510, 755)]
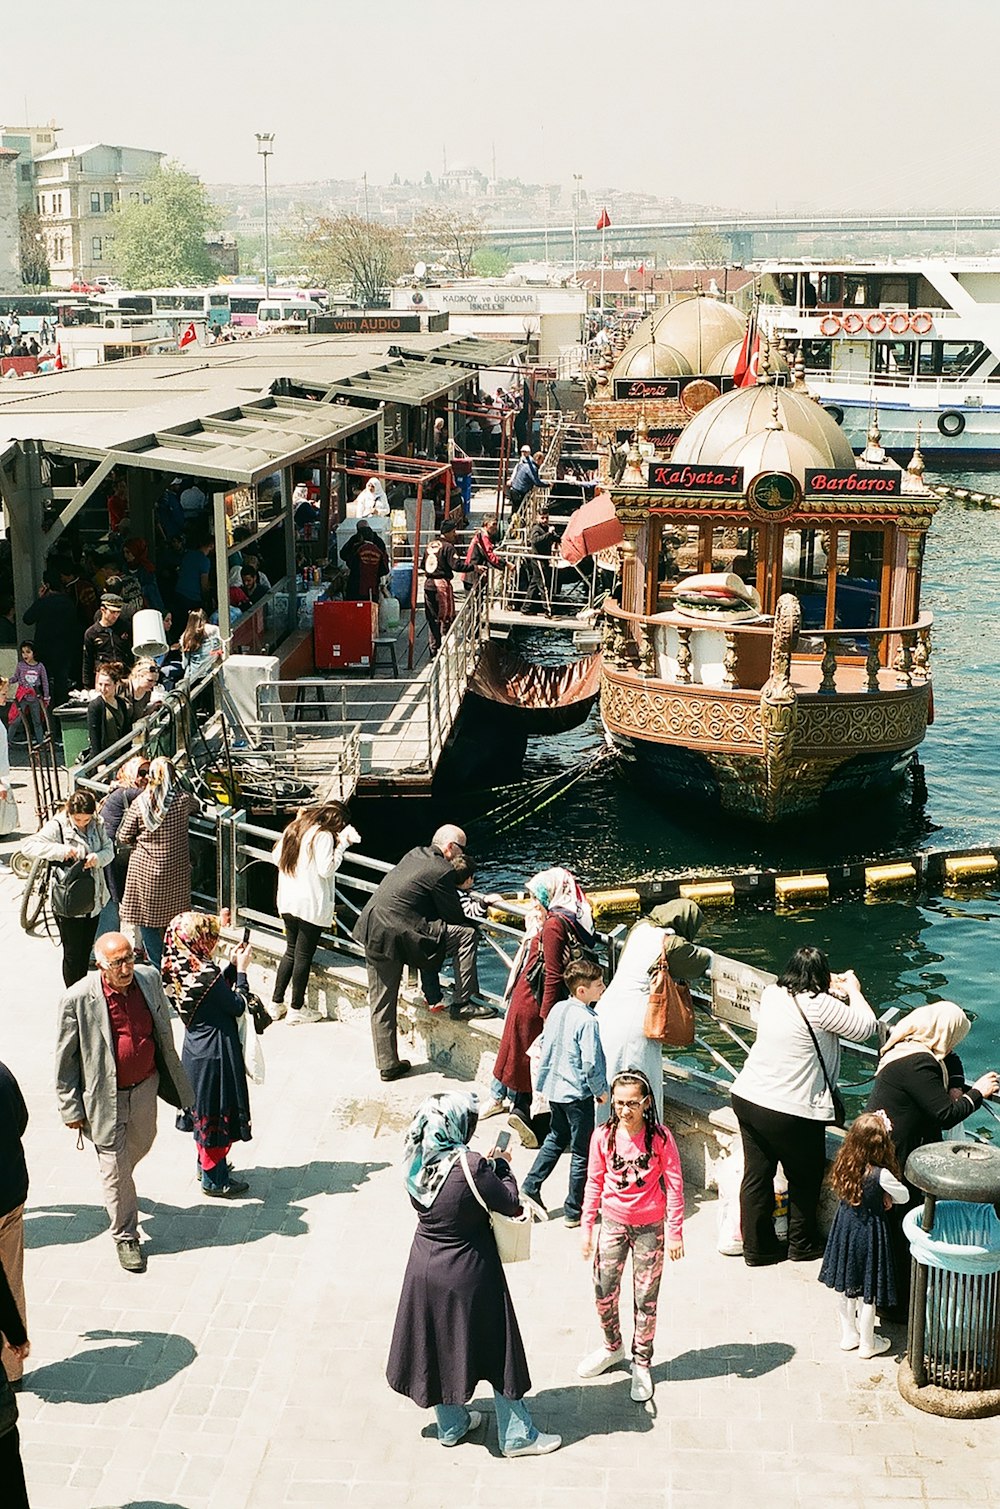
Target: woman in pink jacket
[(634, 1180)]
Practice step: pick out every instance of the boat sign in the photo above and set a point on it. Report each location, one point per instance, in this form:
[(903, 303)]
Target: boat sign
[(844, 481), (695, 479), (647, 387), (736, 991)]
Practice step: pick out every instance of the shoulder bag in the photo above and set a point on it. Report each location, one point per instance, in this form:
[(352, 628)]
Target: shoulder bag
[(839, 1109), (511, 1233), (670, 1013), (72, 892)]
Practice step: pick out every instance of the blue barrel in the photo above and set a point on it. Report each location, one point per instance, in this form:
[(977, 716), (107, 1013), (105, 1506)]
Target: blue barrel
[(401, 584)]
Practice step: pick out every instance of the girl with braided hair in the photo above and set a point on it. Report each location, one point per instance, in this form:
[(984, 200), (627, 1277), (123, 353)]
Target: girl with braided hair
[(634, 1181)]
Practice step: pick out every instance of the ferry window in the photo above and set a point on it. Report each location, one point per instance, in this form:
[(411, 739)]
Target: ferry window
[(831, 288), (952, 357), (859, 554), (786, 287), (856, 291), (803, 572)]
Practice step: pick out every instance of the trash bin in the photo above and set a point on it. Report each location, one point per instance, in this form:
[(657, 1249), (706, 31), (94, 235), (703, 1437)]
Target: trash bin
[(952, 1365), (73, 727)]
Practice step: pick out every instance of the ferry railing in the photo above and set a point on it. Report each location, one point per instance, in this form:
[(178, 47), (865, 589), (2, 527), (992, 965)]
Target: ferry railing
[(565, 591), (629, 643), (773, 314)]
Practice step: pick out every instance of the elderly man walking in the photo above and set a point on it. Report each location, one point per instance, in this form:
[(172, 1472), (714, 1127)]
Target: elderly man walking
[(415, 917), (115, 1053), (13, 1193)]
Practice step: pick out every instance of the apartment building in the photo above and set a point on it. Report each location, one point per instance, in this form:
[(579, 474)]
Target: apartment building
[(77, 190)]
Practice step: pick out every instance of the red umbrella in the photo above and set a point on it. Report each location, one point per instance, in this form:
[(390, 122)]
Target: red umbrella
[(590, 529)]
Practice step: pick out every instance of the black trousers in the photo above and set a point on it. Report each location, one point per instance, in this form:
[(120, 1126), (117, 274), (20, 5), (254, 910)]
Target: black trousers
[(799, 1145), (15, 1494), (301, 942), (77, 934)]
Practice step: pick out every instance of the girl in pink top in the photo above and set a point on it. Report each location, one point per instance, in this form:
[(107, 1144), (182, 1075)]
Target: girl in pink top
[(634, 1180)]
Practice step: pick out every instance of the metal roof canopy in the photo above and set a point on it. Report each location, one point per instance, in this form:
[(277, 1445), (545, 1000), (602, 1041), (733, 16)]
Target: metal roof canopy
[(404, 382), (468, 351), (246, 443)]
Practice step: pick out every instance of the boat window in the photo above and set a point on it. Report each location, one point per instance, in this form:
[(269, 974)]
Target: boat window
[(860, 554), (949, 358), (803, 572), (831, 288), (734, 549), (856, 291)]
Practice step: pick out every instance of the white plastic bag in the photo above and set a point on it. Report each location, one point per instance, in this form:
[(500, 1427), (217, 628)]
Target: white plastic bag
[(728, 1178), (539, 1103), (8, 810), (253, 1053)]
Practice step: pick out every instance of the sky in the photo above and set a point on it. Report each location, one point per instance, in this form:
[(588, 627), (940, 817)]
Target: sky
[(797, 105)]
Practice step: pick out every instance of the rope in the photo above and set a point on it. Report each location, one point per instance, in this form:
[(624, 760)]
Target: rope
[(540, 793)]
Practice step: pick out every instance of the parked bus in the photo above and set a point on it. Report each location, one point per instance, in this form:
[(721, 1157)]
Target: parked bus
[(58, 308), (209, 304), (285, 314)]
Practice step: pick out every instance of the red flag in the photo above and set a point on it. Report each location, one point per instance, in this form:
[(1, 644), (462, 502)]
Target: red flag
[(603, 221), (747, 368), (59, 363), (641, 269), (189, 335)]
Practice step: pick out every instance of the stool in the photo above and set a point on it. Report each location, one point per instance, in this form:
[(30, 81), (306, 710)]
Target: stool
[(306, 704), (385, 642)]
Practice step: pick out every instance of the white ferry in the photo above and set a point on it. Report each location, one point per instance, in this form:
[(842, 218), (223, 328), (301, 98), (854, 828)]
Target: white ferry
[(919, 338)]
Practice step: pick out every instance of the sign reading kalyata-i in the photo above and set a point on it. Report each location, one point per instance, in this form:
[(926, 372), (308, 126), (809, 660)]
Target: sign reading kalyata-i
[(681, 477)]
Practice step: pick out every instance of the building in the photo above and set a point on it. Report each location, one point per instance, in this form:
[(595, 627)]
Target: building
[(10, 259), (28, 142), (546, 318), (221, 247), (77, 190)]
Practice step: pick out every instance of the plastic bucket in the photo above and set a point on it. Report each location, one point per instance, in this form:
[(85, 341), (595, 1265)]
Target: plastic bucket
[(149, 637)]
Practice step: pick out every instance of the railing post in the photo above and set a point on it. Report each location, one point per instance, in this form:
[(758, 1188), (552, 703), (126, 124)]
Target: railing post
[(828, 665), (873, 661), (903, 664), (921, 656), (684, 656), (729, 662)]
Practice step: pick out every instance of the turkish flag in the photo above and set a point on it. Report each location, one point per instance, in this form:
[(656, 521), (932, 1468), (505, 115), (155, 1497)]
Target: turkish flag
[(603, 221), (59, 363), (747, 368), (641, 269), (187, 337)]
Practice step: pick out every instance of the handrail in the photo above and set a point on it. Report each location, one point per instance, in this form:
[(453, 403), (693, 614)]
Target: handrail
[(774, 313), (657, 620)]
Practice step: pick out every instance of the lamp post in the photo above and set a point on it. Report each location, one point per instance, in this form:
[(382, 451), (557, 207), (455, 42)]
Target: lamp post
[(265, 146), (577, 180)]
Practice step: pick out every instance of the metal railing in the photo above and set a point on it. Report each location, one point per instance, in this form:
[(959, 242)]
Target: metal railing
[(544, 585)]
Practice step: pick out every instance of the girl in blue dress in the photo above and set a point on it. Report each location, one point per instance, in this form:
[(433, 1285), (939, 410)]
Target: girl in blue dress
[(858, 1259)]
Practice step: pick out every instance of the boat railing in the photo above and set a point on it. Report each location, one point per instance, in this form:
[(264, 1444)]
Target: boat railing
[(629, 643), (773, 314), (546, 586)]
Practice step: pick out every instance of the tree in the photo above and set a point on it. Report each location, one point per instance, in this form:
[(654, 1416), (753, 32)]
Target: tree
[(34, 256), (487, 262), (360, 252), (159, 239), (450, 236), (708, 248)]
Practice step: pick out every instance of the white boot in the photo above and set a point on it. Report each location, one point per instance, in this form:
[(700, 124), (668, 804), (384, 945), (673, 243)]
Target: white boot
[(847, 1313), (872, 1345)]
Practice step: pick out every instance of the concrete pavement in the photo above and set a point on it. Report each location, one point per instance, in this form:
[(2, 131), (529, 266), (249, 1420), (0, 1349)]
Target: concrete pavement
[(245, 1368)]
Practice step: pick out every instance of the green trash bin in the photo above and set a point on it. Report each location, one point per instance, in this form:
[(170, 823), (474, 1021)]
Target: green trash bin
[(73, 727)]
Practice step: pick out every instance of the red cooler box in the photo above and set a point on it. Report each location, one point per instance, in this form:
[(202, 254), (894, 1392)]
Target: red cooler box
[(343, 635)]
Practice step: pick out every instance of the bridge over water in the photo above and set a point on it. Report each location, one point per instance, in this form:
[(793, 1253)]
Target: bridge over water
[(741, 233)]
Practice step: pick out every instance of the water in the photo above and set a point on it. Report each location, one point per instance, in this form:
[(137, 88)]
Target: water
[(905, 952)]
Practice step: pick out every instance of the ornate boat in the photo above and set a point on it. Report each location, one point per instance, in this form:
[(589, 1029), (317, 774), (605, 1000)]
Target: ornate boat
[(827, 691)]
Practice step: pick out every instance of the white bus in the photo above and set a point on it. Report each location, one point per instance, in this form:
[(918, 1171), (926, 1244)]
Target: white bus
[(209, 304)]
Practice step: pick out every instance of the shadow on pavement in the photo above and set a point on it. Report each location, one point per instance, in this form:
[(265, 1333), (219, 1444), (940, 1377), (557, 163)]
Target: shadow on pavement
[(63, 1225), (741, 1358), (134, 1363)]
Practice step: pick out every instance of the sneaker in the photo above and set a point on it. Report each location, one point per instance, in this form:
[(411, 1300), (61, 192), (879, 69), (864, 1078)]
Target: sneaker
[(517, 1124), (493, 1108), (642, 1383), (436, 1006), (130, 1256), (539, 1447), (596, 1363), (534, 1206), (879, 1345), (230, 1191), (396, 1071), (277, 1010), (307, 1014), (571, 1221), (475, 1421)]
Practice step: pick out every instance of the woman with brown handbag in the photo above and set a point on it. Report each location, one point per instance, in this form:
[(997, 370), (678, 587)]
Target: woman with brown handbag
[(668, 930)]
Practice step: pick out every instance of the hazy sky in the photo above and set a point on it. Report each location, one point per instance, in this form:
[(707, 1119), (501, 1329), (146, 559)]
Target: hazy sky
[(876, 104)]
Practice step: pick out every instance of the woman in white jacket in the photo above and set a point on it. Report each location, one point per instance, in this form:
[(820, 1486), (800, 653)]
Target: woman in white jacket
[(75, 833), (308, 855)]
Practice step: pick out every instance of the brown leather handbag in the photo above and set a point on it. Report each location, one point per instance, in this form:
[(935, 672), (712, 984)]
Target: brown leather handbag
[(670, 1014)]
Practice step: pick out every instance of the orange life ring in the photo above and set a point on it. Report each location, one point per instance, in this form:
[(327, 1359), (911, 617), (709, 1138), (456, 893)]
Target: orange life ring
[(899, 323), (876, 323), (829, 324), (921, 322), (852, 323)]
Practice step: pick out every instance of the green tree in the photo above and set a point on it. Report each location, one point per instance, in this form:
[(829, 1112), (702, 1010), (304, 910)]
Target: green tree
[(360, 252), (160, 241), (449, 236), (490, 263), (707, 248), (34, 256)]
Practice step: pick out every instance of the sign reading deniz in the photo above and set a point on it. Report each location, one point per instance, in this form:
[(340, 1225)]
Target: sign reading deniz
[(647, 387), (843, 482), (670, 477)]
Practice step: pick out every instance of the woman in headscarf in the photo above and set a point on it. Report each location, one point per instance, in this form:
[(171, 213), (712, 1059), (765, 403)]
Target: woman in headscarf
[(158, 885), (208, 1002), (455, 1325), (621, 1011), (567, 928), (130, 781)]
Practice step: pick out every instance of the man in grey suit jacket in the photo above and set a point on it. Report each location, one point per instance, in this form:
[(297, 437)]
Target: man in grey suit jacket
[(115, 1053)]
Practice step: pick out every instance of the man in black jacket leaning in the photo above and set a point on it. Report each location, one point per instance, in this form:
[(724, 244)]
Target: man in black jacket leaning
[(415, 917)]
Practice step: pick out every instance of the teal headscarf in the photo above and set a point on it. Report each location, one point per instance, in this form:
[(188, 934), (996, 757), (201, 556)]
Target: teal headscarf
[(436, 1137)]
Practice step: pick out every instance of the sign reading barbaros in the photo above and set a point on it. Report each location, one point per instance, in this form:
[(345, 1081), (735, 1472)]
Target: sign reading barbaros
[(842, 481), (666, 476)]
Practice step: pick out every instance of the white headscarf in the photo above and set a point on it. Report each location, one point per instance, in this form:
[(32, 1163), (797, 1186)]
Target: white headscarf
[(560, 891), (936, 1029)]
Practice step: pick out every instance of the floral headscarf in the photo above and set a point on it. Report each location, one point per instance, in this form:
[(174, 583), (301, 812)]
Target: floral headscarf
[(434, 1142), (559, 891), (159, 793), (188, 970)]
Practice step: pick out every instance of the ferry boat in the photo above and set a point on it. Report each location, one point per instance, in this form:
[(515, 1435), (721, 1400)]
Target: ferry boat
[(767, 653), (919, 336)]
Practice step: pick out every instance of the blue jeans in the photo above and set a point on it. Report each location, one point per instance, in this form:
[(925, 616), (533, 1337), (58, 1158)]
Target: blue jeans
[(521, 1103), (109, 921), (152, 942), (515, 1426), (572, 1126)]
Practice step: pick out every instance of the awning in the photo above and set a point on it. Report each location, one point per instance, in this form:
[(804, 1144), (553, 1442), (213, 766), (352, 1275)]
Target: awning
[(467, 351), (412, 382), (244, 444)]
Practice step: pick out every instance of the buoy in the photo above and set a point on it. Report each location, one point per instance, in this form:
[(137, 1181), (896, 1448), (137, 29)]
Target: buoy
[(963, 868), (884, 877), (795, 889), (624, 899), (710, 892)]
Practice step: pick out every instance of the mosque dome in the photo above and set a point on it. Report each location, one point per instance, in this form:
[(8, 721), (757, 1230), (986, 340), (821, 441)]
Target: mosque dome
[(743, 412), (651, 360), (700, 328)]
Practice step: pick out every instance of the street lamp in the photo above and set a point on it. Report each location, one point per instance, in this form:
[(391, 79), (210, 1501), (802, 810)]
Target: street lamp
[(577, 180), (265, 146)]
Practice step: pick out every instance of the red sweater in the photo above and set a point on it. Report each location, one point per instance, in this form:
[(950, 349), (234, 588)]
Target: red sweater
[(661, 1193)]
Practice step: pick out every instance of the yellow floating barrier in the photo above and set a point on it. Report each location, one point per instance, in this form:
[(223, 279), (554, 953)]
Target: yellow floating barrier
[(790, 889), (967, 867), (885, 877), (710, 892), (624, 899)]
